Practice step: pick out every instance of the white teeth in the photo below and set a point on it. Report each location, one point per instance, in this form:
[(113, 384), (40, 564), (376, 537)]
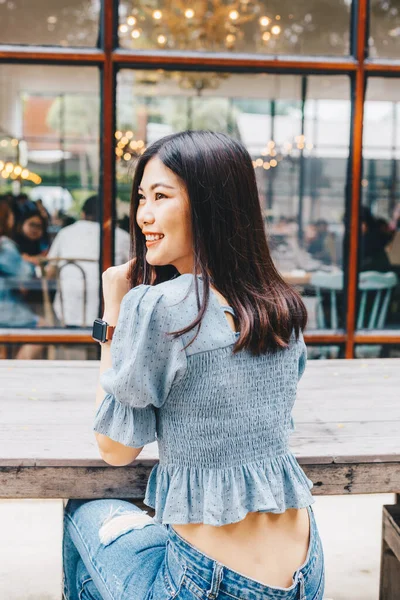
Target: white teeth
[(152, 237)]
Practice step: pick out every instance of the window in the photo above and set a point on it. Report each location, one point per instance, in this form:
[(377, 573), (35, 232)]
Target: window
[(85, 85), (49, 163), (47, 23), (267, 28)]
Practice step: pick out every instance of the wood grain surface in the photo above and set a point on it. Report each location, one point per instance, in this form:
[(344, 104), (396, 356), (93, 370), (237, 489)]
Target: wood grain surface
[(347, 436)]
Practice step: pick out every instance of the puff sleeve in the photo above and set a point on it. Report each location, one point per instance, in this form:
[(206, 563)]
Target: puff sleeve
[(146, 363)]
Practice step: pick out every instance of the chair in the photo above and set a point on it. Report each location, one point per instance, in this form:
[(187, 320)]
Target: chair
[(375, 292), (49, 314)]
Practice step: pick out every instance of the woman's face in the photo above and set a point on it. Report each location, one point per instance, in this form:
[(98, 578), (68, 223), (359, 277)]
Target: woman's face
[(163, 215), (32, 228)]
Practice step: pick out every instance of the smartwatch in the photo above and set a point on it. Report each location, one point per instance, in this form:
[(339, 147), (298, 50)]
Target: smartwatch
[(102, 331)]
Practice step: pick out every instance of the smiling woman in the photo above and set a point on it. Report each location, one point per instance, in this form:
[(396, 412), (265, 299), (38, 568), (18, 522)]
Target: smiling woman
[(215, 393)]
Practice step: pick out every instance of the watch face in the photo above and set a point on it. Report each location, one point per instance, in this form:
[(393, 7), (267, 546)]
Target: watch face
[(99, 330)]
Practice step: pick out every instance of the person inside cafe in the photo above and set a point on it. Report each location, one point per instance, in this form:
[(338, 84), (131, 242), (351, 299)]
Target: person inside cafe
[(14, 312), (374, 240), (31, 235), (80, 244)]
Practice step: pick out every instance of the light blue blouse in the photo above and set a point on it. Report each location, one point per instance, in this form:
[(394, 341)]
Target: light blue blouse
[(222, 420)]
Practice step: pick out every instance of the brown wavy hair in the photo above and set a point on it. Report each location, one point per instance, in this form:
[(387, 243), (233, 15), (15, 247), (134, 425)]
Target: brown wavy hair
[(230, 245)]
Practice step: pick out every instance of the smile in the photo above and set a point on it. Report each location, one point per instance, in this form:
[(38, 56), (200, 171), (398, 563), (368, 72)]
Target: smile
[(153, 238)]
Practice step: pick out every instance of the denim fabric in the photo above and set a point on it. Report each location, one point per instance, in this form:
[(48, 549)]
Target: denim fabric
[(13, 310), (114, 551), (222, 420)]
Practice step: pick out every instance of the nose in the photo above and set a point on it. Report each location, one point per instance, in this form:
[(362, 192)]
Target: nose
[(145, 217)]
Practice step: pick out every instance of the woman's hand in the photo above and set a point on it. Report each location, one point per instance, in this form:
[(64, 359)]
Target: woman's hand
[(116, 283)]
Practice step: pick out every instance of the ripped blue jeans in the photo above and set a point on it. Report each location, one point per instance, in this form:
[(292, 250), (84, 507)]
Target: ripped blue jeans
[(112, 550)]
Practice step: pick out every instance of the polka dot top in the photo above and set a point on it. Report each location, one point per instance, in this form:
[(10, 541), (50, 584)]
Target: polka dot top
[(222, 421)]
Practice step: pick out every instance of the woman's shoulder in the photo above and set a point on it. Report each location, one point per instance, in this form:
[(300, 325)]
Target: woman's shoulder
[(7, 243), (171, 292), (166, 297)]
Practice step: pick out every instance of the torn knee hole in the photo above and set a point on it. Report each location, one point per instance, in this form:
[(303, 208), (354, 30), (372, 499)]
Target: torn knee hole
[(119, 522)]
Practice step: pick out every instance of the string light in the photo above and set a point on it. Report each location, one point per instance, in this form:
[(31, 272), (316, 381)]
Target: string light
[(127, 147), (264, 21)]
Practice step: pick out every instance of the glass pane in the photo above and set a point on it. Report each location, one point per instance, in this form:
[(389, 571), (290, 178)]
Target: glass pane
[(380, 214), (384, 41), (366, 351), (255, 26), (49, 169), (52, 351), (47, 23), (301, 172)]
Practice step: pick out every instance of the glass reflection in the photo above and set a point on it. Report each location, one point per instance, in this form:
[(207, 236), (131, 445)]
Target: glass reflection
[(304, 27), (384, 40), (47, 23), (297, 132), (379, 282), (49, 171)]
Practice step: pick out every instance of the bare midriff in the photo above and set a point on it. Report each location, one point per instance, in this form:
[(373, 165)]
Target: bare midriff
[(264, 546)]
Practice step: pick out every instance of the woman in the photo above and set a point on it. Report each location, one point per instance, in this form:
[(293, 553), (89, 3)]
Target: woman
[(31, 236), (14, 312), (205, 359)]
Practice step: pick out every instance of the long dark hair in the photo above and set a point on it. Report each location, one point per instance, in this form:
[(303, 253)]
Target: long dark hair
[(5, 210), (230, 245)]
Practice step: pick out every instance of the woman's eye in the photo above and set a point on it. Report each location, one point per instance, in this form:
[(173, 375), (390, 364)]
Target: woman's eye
[(142, 199), (160, 195)]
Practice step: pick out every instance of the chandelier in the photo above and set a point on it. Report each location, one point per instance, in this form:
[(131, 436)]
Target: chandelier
[(205, 25)]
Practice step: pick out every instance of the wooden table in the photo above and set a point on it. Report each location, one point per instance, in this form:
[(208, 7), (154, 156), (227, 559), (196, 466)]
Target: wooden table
[(347, 436)]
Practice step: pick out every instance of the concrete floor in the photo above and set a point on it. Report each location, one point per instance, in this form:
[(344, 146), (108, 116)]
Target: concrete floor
[(350, 528)]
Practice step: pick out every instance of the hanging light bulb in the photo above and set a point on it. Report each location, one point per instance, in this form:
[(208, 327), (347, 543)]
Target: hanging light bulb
[(131, 21), (230, 40), (123, 28), (135, 34), (162, 40), (189, 13), (266, 36), (157, 15), (275, 30), (264, 21), (234, 15)]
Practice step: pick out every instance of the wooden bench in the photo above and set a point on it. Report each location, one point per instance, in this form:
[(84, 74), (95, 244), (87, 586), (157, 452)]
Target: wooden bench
[(347, 438)]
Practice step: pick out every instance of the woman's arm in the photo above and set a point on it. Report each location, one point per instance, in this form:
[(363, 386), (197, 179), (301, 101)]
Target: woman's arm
[(115, 286)]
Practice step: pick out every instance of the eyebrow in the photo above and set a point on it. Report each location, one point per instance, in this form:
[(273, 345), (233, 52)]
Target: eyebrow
[(155, 185)]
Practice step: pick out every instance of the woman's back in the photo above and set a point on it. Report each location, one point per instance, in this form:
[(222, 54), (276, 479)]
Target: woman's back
[(222, 429)]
